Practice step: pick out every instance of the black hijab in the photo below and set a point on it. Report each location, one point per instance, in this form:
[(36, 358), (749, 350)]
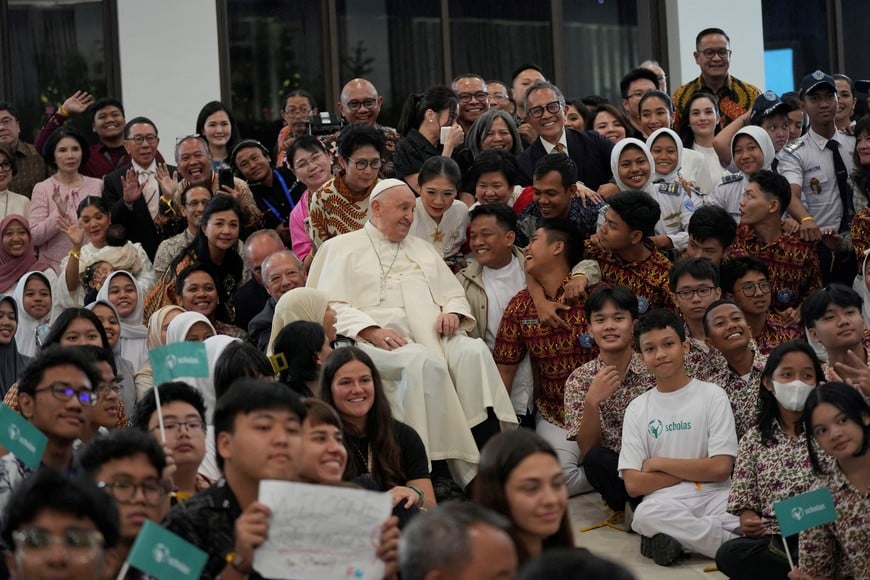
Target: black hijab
[(11, 361)]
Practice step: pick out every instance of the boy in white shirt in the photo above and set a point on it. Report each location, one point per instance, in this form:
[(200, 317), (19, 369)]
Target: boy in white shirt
[(678, 449)]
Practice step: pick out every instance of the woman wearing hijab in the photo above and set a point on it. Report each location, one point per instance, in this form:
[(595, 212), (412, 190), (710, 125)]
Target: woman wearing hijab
[(303, 304), (108, 315), (16, 253), (670, 190), (122, 291), (33, 293), (189, 326), (12, 362), (752, 150), (158, 325)]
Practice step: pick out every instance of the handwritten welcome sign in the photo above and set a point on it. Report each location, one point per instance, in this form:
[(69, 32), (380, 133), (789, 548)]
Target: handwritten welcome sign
[(320, 531)]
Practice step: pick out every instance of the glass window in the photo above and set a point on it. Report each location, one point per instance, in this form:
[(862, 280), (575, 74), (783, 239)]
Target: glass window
[(494, 46), (804, 32), (395, 44), (275, 46), (601, 45), (856, 44), (57, 49)]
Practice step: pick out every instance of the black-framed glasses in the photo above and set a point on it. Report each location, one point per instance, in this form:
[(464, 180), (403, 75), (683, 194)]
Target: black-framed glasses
[(77, 542), (5, 166), (65, 392), (361, 164), (192, 426), (139, 139), (720, 52), (750, 289), (702, 292), (367, 103), (125, 491), (553, 108), (480, 96)]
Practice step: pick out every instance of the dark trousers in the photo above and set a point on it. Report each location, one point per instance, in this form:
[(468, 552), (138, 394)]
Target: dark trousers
[(600, 465), (753, 558)]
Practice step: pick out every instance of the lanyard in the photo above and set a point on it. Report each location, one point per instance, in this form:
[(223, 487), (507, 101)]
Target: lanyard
[(272, 208)]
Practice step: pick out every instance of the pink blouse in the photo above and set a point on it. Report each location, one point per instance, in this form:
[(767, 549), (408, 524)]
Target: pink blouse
[(299, 229), (51, 244)]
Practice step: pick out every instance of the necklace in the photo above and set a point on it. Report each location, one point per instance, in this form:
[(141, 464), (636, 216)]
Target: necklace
[(367, 462), (384, 273)]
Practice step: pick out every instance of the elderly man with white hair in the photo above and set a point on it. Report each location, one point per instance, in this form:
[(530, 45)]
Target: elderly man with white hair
[(395, 295)]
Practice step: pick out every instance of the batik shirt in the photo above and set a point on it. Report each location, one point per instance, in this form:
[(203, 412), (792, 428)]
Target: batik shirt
[(530, 219), (840, 549), (792, 262), (774, 333), (648, 279), (742, 393), (636, 381), (555, 352), (765, 474), (334, 209)]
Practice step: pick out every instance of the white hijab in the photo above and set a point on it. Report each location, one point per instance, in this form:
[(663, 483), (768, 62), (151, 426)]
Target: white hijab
[(181, 325), (25, 336), (762, 138), (861, 288), (672, 176), (134, 334), (614, 161)]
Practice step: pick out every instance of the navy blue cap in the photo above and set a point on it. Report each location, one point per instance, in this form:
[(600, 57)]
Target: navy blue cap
[(815, 80), (766, 104)]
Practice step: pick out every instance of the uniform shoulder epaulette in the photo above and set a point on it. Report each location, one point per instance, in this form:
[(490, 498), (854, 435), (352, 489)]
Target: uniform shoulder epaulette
[(794, 145), (731, 178)]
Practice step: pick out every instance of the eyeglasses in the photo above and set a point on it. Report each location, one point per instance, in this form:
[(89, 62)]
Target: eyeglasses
[(194, 203), (750, 289), (367, 103), (5, 166), (115, 386), (303, 164), (78, 543), (466, 97), (554, 107), (298, 110), (687, 293), (65, 392), (125, 491), (720, 52), (499, 97), (139, 139), (7, 121), (192, 426), (361, 164)]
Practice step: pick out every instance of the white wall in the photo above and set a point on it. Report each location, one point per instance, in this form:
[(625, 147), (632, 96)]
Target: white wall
[(169, 63), (740, 19)]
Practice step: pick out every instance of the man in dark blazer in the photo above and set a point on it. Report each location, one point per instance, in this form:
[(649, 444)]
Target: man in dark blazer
[(545, 111), (134, 191)]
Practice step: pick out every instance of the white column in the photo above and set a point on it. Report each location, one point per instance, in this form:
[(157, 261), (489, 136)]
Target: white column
[(169, 63)]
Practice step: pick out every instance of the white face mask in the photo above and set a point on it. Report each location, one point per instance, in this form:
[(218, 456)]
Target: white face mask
[(792, 395)]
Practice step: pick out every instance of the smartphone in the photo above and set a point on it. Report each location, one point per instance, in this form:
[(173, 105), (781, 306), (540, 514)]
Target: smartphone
[(225, 178)]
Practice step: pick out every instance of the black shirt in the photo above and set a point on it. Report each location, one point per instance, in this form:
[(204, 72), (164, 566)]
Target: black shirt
[(413, 461)]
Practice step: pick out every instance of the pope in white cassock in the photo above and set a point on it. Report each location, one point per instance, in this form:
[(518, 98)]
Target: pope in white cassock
[(394, 294)]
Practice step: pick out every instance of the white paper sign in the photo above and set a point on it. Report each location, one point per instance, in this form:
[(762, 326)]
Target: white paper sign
[(321, 531)]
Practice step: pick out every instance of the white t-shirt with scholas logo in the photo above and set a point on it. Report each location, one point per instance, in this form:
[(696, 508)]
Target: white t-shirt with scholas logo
[(693, 422)]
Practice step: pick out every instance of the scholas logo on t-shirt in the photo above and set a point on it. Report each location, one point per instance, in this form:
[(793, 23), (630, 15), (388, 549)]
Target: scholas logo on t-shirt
[(656, 427)]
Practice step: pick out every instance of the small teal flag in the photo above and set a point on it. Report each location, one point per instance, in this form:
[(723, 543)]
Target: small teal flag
[(805, 511), (178, 360), (165, 556), (21, 438)]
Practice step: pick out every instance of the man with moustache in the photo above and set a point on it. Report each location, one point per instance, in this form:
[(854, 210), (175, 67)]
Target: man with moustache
[(473, 98)]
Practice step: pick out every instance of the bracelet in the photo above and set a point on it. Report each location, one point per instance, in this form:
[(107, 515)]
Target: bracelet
[(577, 275), (420, 493), (236, 561), (75, 254), (62, 111), (807, 219)]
